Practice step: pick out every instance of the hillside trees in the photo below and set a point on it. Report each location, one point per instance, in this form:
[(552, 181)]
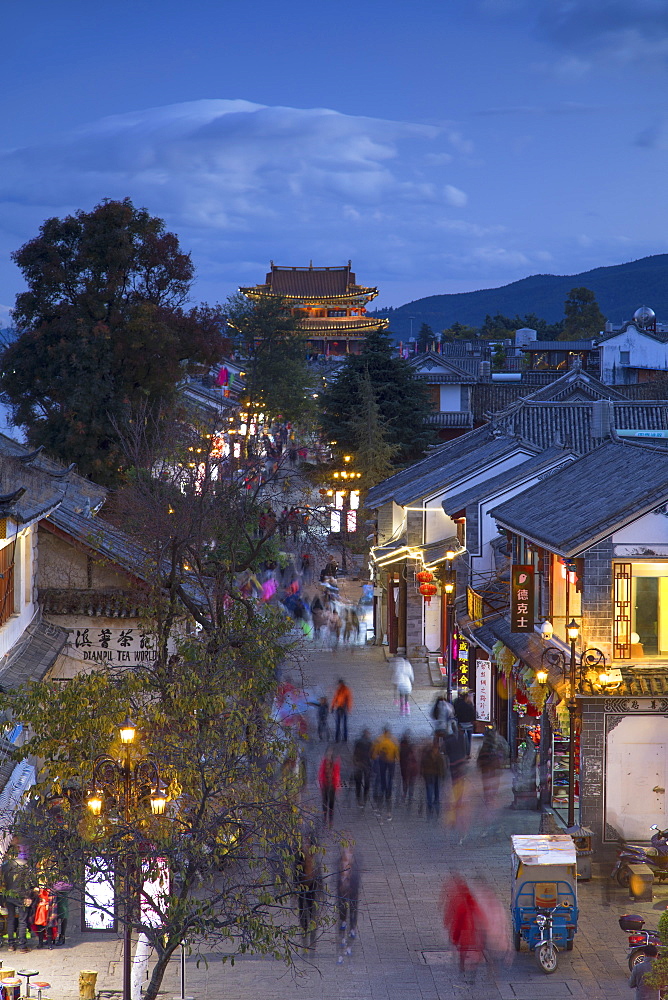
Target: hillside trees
[(101, 328), (403, 402)]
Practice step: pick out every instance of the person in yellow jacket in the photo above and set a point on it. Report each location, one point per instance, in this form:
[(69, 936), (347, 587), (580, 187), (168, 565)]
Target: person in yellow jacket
[(385, 754)]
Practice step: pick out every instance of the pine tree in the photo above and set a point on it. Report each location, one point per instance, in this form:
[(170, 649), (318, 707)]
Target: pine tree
[(372, 448), (402, 399)]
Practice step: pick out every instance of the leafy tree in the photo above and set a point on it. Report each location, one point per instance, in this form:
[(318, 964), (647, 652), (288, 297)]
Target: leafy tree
[(658, 977), (234, 823), (499, 356), (402, 399), (459, 331), (100, 328), (269, 340), (583, 318)]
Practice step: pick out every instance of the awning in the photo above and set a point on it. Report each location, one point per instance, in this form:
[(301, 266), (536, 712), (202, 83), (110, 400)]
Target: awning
[(436, 552), (30, 658), (391, 552)]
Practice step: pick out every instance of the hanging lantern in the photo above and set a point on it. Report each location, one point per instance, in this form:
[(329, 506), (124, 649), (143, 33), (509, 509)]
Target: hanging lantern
[(424, 576), (323, 493), (428, 590)]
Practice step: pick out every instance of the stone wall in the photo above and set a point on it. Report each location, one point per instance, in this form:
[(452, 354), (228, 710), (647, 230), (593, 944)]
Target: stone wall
[(592, 767), (597, 607)]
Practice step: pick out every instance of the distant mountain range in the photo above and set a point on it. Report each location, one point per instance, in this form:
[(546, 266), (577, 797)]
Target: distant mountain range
[(620, 289)]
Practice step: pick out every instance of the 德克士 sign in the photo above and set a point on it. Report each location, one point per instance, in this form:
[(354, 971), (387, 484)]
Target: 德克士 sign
[(521, 599)]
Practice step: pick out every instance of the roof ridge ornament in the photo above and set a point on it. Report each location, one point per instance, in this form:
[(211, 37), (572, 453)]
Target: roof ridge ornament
[(31, 456), (64, 472)]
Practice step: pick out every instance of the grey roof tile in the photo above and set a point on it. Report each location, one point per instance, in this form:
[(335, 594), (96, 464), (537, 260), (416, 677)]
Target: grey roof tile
[(474, 494), (590, 498), (30, 658)]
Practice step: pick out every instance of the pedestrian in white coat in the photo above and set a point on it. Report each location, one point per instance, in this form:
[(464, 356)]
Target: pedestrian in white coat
[(403, 682)]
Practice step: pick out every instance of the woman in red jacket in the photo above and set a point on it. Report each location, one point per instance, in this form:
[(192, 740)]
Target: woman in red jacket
[(329, 779)]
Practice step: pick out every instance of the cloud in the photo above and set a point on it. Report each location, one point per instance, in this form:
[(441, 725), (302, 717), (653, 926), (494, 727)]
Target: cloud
[(243, 183), (621, 31), (455, 197)]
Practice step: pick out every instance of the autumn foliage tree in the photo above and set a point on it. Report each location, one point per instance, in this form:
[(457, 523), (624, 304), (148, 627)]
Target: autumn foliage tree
[(102, 327)]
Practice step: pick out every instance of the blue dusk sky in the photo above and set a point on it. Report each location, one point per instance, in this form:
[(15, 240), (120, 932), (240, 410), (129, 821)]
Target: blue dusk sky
[(442, 145)]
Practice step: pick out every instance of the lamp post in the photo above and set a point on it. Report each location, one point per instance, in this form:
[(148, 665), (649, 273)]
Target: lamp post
[(134, 780), (572, 630), (446, 578)]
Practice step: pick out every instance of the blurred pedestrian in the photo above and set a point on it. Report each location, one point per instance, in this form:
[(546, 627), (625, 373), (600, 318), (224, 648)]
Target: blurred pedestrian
[(334, 627), (408, 768), (403, 678), (463, 921), (455, 749), (347, 892), (342, 704), (386, 753), (432, 770), (465, 714), (329, 779), (443, 716), (307, 887), (352, 625), (322, 712), (492, 757), (362, 768)]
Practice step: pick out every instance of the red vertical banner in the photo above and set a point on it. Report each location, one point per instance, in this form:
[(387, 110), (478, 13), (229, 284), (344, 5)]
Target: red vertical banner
[(521, 599)]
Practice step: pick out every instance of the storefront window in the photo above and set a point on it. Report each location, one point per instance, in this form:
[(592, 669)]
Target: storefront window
[(641, 609)]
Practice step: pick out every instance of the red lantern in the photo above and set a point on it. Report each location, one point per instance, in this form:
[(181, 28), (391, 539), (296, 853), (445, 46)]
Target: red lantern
[(323, 493), (424, 576), (428, 590)]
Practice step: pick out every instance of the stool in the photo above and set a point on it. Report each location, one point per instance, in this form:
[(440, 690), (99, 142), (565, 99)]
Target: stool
[(28, 974), (12, 988), (39, 986)]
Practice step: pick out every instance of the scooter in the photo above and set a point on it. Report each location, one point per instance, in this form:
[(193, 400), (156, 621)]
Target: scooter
[(632, 924), (634, 854)]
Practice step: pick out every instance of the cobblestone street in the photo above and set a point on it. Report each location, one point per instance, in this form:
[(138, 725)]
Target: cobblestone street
[(401, 952)]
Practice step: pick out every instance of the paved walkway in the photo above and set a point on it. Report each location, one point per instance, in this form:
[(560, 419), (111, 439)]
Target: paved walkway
[(401, 953)]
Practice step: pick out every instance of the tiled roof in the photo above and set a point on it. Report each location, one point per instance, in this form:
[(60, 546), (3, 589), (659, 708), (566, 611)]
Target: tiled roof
[(30, 657), (310, 282), (609, 487), (543, 423), (450, 419), (46, 481), (573, 383), (93, 603), (448, 463), (488, 487), (104, 538), (560, 345), (433, 367)]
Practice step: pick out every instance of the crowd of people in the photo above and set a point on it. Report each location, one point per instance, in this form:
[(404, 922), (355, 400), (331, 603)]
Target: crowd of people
[(32, 912)]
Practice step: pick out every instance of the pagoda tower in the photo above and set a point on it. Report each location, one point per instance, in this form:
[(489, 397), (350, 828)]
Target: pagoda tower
[(328, 303)]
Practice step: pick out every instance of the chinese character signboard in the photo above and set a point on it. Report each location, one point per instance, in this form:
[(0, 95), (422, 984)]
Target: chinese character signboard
[(462, 665), (483, 690), (112, 645), (521, 599)]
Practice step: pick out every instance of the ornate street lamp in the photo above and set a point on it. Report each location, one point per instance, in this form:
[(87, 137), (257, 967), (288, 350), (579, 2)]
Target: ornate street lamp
[(590, 659), (134, 781)]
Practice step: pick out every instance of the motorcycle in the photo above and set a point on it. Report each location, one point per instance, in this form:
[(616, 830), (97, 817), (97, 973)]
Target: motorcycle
[(655, 856), (632, 924)]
